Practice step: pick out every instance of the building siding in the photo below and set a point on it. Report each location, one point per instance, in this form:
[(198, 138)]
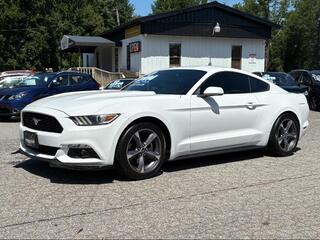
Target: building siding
[(197, 51)]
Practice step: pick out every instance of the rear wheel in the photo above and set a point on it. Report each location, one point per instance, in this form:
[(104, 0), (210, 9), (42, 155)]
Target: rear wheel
[(313, 103), (141, 151), (284, 136)]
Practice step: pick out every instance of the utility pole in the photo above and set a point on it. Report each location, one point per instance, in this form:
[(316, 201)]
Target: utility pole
[(118, 17)]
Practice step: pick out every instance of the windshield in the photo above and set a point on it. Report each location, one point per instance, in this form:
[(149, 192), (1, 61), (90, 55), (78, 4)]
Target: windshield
[(280, 79), (10, 82), (168, 81), (118, 84), (316, 76), (38, 80)]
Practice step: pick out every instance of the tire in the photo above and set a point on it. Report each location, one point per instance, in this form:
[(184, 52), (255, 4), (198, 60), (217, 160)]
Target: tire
[(313, 103), (284, 136), (140, 152)]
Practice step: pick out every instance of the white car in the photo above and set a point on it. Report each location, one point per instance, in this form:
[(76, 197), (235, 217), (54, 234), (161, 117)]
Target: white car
[(167, 115)]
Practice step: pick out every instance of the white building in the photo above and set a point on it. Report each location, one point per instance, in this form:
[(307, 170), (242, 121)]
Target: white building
[(180, 38)]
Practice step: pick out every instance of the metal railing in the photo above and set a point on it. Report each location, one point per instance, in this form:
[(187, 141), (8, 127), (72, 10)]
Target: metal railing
[(101, 76)]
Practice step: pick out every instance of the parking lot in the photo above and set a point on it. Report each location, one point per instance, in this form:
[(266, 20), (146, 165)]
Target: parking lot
[(242, 195)]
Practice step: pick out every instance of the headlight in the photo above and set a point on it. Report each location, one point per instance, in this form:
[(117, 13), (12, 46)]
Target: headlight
[(95, 120), (18, 96)]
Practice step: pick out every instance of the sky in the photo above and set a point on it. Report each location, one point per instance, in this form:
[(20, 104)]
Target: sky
[(143, 7)]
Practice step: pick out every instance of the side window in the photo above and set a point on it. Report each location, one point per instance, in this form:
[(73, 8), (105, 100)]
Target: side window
[(306, 79), (76, 79), (63, 80), (230, 82), (258, 85)]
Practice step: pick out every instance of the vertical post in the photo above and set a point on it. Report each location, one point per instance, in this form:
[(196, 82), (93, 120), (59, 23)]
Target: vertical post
[(80, 56)]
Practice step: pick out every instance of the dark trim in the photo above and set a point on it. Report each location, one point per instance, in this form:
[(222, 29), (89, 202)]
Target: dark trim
[(217, 152)]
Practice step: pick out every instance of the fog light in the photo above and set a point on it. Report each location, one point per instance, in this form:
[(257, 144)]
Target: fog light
[(80, 151)]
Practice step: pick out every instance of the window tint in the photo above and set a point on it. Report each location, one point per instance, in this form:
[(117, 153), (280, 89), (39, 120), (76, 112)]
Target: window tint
[(76, 79), (258, 85), (230, 82), (63, 80), (167, 81)]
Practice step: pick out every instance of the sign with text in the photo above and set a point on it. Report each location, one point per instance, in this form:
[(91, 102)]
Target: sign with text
[(135, 47)]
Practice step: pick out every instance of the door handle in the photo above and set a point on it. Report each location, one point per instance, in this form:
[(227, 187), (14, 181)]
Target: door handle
[(251, 106)]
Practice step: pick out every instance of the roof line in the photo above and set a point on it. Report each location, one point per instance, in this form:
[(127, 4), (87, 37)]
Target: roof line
[(189, 9)]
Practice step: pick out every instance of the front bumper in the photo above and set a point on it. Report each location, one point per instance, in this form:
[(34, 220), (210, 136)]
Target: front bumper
[(101, 139), (11, 108)]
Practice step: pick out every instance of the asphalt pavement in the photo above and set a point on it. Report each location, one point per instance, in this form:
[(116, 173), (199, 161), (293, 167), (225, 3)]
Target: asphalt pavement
[(240, 195)]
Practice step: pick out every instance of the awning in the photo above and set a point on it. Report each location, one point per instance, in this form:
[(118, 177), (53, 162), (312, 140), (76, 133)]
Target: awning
[(83, 43)]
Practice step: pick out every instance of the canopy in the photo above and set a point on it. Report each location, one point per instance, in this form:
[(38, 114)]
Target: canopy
[(84, 43)]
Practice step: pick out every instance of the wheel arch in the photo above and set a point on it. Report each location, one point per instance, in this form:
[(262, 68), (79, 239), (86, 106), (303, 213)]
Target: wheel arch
[(157, 122)]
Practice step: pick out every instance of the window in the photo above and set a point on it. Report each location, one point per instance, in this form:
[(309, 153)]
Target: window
[(77, 79), (175, 55), (236, 56), (230, 82), (63, 80), (177, 82), (306, 79), (258, 85)]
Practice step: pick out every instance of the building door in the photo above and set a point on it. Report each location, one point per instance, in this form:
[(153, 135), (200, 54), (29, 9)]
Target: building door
[(128, 58), (236, 56), (175, 55)]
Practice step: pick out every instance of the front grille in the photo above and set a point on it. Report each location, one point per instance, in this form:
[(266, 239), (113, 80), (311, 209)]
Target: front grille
[(41, 122), (51, 151)]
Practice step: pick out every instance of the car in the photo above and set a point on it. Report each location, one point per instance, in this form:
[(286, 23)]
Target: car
[(30, 89), (311, 81), (118, 84), (166, 115), (284, 81)]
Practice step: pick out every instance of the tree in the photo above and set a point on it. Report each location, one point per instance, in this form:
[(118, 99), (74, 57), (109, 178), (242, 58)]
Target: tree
[(31, 30), (161, 6)]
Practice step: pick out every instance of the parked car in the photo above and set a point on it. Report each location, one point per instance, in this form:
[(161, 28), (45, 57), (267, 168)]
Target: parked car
[(284, 81), (166, 115), (16, 73), (30, 89), (311, 81), (118, 84)]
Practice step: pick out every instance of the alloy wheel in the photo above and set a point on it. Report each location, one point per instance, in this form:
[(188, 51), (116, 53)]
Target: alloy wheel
[(144, 151), (287, 135)]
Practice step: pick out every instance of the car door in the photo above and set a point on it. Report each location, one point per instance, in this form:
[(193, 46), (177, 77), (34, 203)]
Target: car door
[(79, 82), (226, 121)]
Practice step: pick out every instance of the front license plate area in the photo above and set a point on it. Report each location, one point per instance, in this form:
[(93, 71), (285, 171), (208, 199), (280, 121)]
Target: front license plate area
[(31, 139)]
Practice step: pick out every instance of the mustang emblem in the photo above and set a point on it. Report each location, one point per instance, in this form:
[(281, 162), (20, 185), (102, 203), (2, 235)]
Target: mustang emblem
[(36, 121)]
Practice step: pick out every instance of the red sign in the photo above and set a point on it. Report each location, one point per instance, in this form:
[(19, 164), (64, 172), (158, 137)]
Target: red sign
[(135, 47)]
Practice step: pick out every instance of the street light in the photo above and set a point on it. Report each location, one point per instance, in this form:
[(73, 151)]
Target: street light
[(216, 29)]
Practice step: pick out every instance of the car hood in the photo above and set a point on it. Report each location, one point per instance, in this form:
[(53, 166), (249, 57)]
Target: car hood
[(89, 102), (14, 91)]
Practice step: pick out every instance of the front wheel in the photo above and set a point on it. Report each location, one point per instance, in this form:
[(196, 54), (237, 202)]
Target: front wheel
[(284, 136), (141, 151)]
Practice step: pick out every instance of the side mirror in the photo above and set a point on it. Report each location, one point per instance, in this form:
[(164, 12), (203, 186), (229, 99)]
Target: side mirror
[(212, 91)]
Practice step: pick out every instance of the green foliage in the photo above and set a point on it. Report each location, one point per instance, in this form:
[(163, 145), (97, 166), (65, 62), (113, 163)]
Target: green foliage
[(297, 43), (31, 30), (161, 6)]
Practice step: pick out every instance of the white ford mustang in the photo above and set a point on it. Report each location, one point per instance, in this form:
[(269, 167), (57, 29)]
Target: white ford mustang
[(166, 115)]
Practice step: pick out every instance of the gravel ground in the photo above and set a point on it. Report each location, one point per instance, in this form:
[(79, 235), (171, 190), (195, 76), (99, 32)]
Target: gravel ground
[(242, 195)]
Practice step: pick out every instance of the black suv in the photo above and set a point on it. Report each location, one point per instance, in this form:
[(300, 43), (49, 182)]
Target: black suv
[(310, 80)]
